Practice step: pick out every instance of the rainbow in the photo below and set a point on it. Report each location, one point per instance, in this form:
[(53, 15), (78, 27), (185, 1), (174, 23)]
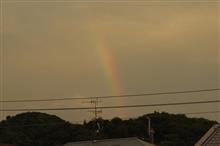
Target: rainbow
[(109, 66), (108, 62), (106, 57)]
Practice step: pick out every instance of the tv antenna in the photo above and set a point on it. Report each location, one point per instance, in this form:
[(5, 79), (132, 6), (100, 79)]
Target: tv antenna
[(96, 111), (95, 101)]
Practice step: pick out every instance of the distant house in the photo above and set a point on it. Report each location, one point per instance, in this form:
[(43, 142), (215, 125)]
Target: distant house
[(133, 141), (211, 138)]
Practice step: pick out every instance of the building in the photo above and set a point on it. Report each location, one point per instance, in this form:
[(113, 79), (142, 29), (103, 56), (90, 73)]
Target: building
[(211, 138), (133, 141)]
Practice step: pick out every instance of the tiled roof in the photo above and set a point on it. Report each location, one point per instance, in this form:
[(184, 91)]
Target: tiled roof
[(211, 138)]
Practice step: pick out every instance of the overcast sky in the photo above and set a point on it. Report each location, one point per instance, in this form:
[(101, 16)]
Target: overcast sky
[(55, 50)]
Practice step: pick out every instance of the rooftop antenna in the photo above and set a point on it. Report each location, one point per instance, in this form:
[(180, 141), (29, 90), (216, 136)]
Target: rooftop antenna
[(95, 101)]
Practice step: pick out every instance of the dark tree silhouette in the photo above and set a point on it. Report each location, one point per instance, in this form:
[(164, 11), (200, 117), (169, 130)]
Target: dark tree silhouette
[(40, 129)]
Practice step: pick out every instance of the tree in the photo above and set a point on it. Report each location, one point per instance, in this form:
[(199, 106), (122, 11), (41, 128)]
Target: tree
[(40, 129)]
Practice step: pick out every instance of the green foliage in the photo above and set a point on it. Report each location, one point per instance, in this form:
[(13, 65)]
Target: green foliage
[(40, 129)]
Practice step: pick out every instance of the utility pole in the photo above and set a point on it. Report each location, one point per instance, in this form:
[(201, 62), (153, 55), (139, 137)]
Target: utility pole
[(149, 126), (150, 130)]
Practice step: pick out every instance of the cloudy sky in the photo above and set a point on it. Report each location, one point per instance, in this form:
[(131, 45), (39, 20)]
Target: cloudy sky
[(79, 49)]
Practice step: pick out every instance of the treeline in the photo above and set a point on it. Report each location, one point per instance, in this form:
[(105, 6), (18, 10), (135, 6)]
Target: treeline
[(40, 129)]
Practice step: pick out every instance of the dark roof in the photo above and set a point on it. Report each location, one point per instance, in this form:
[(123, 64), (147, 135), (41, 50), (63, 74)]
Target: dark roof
[(132, 141), (211, 138)]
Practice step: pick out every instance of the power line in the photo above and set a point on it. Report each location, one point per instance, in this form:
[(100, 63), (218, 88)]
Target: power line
[(114, 96), (113, 107), (199, 113)]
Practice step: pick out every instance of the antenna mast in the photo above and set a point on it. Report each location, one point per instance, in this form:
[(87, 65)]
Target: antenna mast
[(95, 101)]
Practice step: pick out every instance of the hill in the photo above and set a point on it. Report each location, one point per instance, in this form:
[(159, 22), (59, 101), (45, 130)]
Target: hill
[(36, 129), (40, 129)]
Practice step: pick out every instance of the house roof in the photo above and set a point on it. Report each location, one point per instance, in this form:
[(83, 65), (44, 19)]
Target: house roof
[(133, 141), (211, 138)]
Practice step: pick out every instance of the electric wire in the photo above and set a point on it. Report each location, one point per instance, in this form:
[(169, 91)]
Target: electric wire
[(111, 107), (113, 96)]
